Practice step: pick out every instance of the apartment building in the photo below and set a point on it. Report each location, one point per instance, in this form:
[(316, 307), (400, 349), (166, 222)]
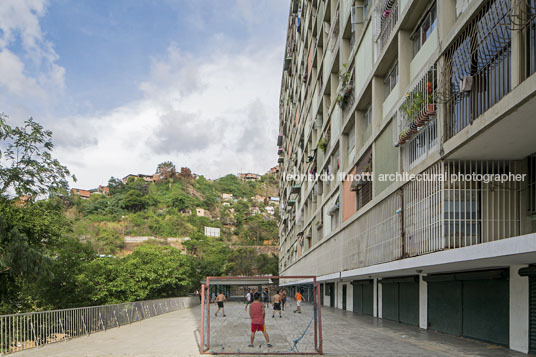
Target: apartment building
[(443, 90)]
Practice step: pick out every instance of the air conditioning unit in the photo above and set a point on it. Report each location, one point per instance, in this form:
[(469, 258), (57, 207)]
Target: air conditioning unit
[(333, 209), (319, 221), (318, 121), (466, 84), (357, 184)]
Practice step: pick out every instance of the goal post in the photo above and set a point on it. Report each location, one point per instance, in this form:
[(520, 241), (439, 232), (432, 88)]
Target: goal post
[(293, 326)]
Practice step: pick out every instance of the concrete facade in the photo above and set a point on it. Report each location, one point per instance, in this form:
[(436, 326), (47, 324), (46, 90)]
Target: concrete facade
[(400, 87)]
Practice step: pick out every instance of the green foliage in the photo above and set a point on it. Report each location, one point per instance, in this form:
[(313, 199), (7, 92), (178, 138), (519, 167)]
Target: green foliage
[(166, 171), (26, 163), (150, 272), (134, 201), (232, 184)]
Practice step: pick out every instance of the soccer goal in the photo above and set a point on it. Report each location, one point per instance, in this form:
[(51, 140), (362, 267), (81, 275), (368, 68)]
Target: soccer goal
[(292, 316)]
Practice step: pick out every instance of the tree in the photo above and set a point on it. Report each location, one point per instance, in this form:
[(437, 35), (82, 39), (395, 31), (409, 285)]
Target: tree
[(166, 171), (134, 201), (186, 174), (27, 166), (115, 185), (150, 272)]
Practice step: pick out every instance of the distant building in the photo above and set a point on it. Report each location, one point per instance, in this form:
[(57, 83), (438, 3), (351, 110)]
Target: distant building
[(270, 210), (104, 190), (248, 176), (85, 194), (226, 196), (22, 200), (200, 212), (212, 232), (258, 198), (186, 212), (274, 199), (274, 170), (146, 178), (254, 210)]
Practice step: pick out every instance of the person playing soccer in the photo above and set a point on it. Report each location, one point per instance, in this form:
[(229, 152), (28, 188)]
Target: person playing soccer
[(266, 298), (219, 300), (277, 304), (299, 299), (257, 313), (248, 299)]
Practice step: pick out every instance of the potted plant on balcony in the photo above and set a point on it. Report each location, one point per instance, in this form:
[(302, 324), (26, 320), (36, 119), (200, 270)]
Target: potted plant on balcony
[(403, 136), (322, 144), (345, 87)]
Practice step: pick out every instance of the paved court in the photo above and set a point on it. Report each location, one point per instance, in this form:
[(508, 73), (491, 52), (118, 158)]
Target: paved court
[(345, 334), (232, 333)]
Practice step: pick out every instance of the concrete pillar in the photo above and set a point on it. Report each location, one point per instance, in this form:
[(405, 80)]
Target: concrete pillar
[(517, 50), (519, 310), (378, 97), (447, 9), (423, 302), (380, 315), (405, 55), (375, 297)]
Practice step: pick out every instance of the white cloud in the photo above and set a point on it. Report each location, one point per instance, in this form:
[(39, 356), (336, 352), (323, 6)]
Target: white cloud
[(216, 115), (19, 22)]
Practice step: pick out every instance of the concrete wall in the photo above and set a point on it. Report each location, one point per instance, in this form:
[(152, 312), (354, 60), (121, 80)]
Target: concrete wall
[(519, 310), (385, 158)]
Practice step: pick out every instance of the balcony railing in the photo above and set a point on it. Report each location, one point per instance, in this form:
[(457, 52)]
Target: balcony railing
[(28, 330), (386, 18), (477, 70), (418, 108), (437, 214)]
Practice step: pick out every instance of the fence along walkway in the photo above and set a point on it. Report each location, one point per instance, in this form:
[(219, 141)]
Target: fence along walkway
[(23, 331)]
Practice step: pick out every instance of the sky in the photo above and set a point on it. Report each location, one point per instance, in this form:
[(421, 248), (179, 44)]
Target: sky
[(127, 84)]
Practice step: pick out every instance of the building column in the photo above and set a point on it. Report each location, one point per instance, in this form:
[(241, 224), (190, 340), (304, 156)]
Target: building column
[(375, 297), (379, 300), (423, 302), (519, 310)]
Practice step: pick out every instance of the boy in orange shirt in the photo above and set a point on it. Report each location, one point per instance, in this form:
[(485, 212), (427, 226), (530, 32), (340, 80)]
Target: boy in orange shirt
[(299, 299)]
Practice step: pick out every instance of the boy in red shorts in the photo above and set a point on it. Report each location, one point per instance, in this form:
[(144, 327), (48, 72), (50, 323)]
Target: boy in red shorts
[(256, 312)]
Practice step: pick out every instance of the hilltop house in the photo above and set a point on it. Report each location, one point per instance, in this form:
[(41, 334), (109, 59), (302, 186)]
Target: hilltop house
[(226, 196), (146, 178), (85, 194), (248, 176)]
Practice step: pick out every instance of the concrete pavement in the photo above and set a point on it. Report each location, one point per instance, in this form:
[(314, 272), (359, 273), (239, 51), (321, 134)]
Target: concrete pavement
[(345, 334)]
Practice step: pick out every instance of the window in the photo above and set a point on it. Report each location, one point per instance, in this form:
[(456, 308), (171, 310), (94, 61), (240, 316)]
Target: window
[(368, 117), (392, 79), (424, 29), (351, 140)]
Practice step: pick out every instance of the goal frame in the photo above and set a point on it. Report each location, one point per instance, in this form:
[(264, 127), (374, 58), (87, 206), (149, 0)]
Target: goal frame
[(317, 317)]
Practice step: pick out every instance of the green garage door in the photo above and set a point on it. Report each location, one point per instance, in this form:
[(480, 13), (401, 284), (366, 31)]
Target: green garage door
[(363, 297), (400, 300), (474, 304)]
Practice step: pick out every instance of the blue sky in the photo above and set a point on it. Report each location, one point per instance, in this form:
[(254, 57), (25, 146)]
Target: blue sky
[(126, 84)]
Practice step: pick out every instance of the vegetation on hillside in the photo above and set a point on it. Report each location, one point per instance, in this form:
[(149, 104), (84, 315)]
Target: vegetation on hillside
[(64, 251)]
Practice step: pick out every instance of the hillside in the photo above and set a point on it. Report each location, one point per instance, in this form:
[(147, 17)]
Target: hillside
[(175, 209)]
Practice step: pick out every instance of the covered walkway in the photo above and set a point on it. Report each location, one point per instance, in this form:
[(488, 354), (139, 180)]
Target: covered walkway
[(345, 334)]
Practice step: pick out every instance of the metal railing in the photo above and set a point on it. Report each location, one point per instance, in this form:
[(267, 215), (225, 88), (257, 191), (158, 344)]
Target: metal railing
[(477, 69), (33, 329)]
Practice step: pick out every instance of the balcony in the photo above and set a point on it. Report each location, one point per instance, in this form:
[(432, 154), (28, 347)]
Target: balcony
[(439, 214), (418, 109), (386, 14), (477, 69)]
